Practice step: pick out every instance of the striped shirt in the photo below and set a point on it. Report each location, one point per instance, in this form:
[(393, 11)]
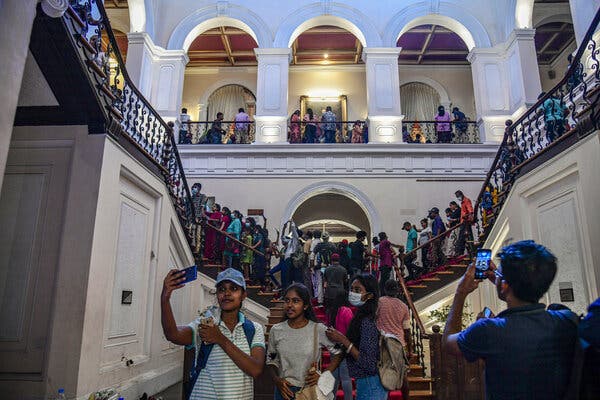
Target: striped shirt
[(221, 379)]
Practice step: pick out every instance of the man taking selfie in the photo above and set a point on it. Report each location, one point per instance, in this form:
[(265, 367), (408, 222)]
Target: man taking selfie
[(528, 350)]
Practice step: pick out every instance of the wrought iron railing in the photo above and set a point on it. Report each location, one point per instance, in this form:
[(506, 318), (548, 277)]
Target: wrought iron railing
[(440, 132), (128, 113), (327, 132), (217, 132)]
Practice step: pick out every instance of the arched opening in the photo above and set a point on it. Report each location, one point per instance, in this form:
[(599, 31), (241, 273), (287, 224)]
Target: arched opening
[(425, 89), (228, 99), (335, 213), (333, 201), (221, 47), (554, 38), (418, 99), (326, 47)]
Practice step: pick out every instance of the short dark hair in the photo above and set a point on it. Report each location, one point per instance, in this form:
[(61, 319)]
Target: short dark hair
[(219, 114), (328, 108), (453, 203), (529, 268), (425, 220), (184, 110), (361, 234), (240, 109), (317, 234), (459, 193), (382, 236), (309, 234), (392, 288), (406, 223)]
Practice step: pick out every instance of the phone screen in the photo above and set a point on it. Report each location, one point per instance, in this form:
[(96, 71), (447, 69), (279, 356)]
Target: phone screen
[(487, 313), (191, 274), (482, 263)]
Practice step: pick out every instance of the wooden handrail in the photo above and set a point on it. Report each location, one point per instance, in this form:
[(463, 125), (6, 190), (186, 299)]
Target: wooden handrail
[(412, 307), (234, 239), (433, 239)]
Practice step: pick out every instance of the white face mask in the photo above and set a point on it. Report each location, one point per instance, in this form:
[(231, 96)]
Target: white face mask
[(355, 299)]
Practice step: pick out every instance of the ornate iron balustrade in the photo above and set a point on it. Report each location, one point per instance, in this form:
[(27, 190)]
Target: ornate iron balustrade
[(128, 113), (314, 131), (568, 111), (434, 132), (202, 132)]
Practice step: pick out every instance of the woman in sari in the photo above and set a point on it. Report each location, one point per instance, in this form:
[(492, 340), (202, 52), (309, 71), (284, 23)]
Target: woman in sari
[(295, 135), (210, 238), (225, 221), (357, 134)]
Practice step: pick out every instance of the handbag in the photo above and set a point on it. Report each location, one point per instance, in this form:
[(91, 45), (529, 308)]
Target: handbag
[(310, 392)]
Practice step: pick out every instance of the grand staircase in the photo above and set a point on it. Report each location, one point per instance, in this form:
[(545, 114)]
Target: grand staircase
[(120, 110)]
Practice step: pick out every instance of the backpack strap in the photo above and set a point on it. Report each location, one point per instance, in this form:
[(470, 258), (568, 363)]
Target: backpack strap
[(204, 352)]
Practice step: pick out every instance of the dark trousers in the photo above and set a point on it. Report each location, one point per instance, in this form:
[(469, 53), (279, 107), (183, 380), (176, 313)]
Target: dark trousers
[(278, 268), (464, 234), (310, 133), (385, 273), (330, 136), (286, 270), (259, 269)]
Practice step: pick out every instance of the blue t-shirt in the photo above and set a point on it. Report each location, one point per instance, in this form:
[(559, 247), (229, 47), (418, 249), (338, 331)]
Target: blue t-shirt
[(527, 350), (411, 240), (437, 226)]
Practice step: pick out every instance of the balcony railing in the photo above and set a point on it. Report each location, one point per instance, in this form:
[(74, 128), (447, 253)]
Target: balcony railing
[(223, 132), (129, 115), (440, 132)]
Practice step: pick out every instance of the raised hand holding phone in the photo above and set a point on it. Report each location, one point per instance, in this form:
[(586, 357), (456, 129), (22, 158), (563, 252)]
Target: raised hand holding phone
[(482, 263)]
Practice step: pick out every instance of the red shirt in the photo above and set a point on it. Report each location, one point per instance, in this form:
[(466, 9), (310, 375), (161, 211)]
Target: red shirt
[(466, 209)]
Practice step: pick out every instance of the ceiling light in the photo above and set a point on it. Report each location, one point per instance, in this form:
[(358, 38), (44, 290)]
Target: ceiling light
[(325, 55)]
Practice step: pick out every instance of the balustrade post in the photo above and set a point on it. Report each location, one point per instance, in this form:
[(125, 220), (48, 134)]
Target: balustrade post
[(383, 94), (435, 351), (272, 95)]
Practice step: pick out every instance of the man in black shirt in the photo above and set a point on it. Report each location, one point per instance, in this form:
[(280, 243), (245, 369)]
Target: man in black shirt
[(358, 253)]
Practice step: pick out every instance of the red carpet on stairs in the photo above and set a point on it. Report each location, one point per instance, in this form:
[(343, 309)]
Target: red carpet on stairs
[(431, 274)]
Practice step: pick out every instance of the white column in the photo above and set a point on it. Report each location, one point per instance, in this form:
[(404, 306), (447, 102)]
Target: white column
[(168, 73), (582, 13), (506, 81), (157, 73), (383, 94), (272, 95), (16, 21), (139, 60)]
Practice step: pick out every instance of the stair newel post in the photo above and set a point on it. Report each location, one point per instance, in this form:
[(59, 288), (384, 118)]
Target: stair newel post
[(435, 351)]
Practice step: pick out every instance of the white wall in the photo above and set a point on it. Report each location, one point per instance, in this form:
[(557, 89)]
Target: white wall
[(136, 241), (557, 205), (49, 241)]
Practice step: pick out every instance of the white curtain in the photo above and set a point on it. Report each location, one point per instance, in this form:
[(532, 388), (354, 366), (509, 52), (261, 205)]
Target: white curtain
[(419, 101), (227, 100)]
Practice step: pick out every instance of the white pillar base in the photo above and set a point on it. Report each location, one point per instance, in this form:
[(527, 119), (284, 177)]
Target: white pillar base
[(270, 130), (385, 129)]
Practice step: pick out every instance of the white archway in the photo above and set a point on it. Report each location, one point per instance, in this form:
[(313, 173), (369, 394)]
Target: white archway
[(211, 17), (450, 15), (444, 98), (340, 188), (335, 14), (247, 83), (325, 221)]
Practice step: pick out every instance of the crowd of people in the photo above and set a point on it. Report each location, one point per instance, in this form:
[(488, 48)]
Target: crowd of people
[(530, 351), (326, 128), (345, 296), (448, 129), (238, 131)]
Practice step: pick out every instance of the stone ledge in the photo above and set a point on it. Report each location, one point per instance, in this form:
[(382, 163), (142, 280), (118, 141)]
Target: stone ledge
[(344, 160)]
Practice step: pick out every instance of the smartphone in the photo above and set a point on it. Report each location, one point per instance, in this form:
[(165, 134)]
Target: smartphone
[(482, 263), (487, 313), (191, 274)]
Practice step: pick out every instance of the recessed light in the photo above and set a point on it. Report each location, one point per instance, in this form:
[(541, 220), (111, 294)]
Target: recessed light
[(325, 55)]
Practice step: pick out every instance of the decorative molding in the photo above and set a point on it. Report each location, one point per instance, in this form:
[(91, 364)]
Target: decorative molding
[(55, 8), (342, 160), (342, 188)]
